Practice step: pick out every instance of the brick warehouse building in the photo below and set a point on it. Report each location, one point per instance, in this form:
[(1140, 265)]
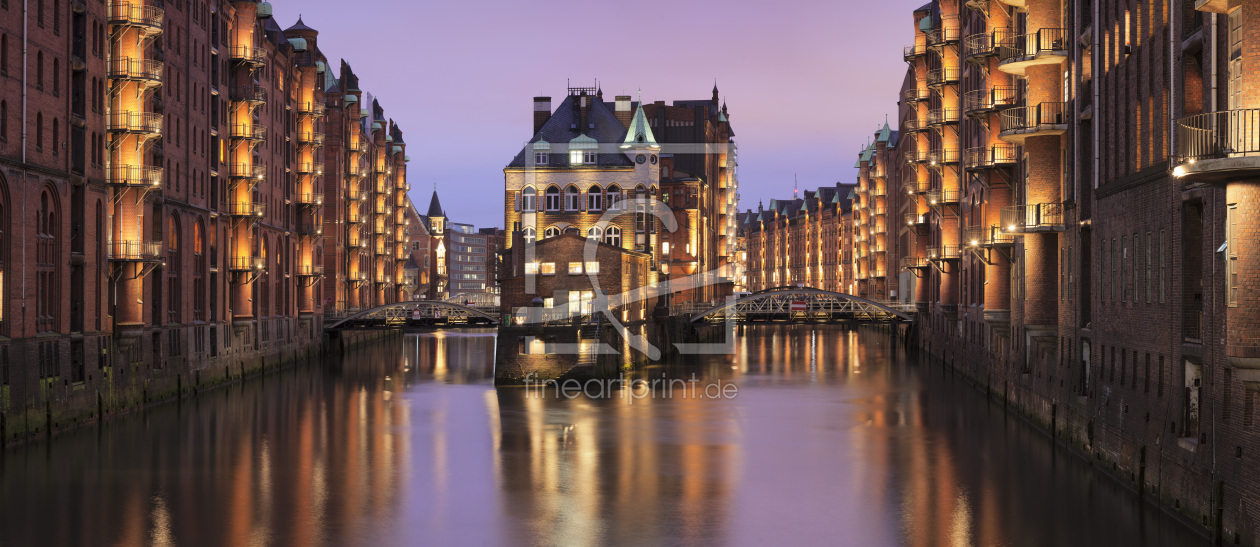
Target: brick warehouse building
[(163, 176), (589, 160), (803, 241), (1078, 234)]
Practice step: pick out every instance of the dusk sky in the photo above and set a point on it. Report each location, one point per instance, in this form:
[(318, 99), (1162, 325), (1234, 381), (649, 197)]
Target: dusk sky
[(806, 82)]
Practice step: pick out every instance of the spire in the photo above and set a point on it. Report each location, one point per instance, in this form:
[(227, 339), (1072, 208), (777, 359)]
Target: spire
[(715, 92), (435, 206), (640, 133)]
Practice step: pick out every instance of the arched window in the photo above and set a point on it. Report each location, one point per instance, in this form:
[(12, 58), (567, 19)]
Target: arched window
[(613, 198), (529, 235), (551, 232), (595, 232), (56, 137), (553, 198), (529, 199), (39, 131), (572, 199), (47, 285), (4, 120), (4, 53), (612, 236), (56, 76), (39, 70), (173, 268), (594, 198)]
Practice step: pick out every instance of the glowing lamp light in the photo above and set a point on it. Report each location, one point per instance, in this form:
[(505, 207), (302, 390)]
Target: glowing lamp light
[(1180, 171), (1010, 228)]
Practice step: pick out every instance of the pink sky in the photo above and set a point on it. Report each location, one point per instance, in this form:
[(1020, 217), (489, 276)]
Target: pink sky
[(806, 82)]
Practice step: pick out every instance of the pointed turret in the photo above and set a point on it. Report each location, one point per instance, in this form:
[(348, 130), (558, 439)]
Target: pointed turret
[(640, 133), (435, 207)]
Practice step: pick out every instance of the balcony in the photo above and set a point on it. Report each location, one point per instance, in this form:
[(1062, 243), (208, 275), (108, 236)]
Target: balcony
[(987, 237), (356, 242), (947, 35), (247, 209), (357, 146), (915, 263), (248, 93), (140, 123), (944, 252), (135, 251), (313, 138), (915, 219), (942, 116), (353, 217), (246, 171), (247, 55), (1033, 218), (1216, 147), (142, 70), (944, 156), (247, 131), (1047, 46), (311, 199), (911, 124), (981, 102), (311, 108), (914, 187), (245, 264), (1021, 122), (355, 194), (913, 156), (990, 157), (943, 76), (979, 47), (309, 168), (147, 18), (311, 270), (918, 93), (910, 53), (135, 176), (938, 198)]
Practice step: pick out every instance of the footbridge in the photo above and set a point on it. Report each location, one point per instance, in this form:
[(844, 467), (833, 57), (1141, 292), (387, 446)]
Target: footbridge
[(807, 305), (414, 314)]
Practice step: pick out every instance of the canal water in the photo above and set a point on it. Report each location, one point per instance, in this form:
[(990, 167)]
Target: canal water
[(812, 435)]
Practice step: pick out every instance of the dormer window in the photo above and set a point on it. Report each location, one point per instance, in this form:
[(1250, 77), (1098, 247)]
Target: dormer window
[(540, 158), (588, 157), (575, 157)]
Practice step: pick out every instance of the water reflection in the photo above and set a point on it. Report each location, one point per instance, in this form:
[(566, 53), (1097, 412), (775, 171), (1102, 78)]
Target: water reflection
[(835, 437)]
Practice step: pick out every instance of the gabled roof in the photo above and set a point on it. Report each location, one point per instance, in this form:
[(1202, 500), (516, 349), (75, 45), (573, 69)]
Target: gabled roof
[(883, 134), (435, 207), (299, 25), (562, 127)]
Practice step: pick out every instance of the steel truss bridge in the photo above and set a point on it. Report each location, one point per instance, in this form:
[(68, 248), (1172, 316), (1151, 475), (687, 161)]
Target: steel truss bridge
[(414, 314), (799, 304)]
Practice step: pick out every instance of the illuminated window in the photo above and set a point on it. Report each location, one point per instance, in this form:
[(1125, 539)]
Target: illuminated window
[(531, 268), (592, 267), (595, 232), (551, 232), (529, 235), (612, 236), (575, 268), (575, 157), (547, 268)]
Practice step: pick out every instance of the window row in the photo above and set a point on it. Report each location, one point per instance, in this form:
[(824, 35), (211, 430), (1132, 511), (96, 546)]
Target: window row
[(570, 199)]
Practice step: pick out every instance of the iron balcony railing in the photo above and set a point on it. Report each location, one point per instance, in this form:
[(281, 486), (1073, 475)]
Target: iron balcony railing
[(311, 270), (356, 145), (947, 33), (142, 15), (943, 76), (353, 216), (313, 108), (987, 236), (312, 199), (1033, 217), (247, 54), (248, 131), (354, 194), (985, 44), (918, 92), (135, 251), (913, 156), (937, 198), (916, 186), (315, 138), (248, 93), (309, 167), (943, 156), (247, 209), (1023, 46), (245, 264), (915, 219), (944, 252), (245, 170), (983, 101), (135, 69), (1223, 134), (1033, 118), (310, 228), (942, 116), (135, 122), (911, 124), (909, 53), (140, 176), (998, 155), (914, 262)]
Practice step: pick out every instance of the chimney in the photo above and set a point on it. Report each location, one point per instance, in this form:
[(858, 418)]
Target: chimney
[(542, 112), (623, 110)]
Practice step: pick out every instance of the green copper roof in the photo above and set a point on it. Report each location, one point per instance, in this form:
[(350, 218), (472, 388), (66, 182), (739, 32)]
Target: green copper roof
[(884, 134), (541, 144), (925, 24), (407, 158), (389, 138), (721, 116), (640, 133), (583, 142), (376, 126), (351, 99), (264, 10), (851, 195), (835, 198), (320, 66), (397, 149), (866, 154), (299, 44)]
